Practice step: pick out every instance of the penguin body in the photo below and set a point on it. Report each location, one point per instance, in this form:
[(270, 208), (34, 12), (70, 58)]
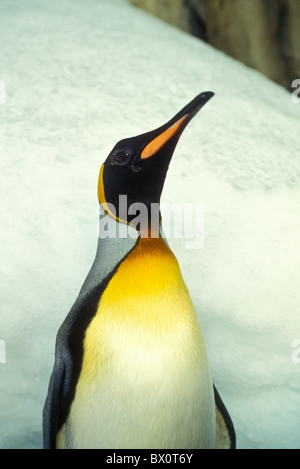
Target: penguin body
[(144, 362), (131, 369)]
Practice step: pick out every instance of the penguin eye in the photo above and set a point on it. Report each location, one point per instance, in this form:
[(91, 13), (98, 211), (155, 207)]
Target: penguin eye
[(121, 157)]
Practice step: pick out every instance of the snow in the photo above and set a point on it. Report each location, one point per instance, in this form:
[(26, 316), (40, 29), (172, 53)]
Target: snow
[(80, 76)]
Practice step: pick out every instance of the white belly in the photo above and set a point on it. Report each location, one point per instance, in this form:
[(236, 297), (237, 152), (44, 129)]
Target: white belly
[(153, 397)]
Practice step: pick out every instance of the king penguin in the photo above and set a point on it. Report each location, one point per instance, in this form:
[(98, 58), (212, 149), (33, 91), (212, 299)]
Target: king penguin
[(131, 369)]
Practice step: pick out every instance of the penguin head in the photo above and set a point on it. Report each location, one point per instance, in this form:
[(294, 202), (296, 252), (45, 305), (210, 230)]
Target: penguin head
[(136, 167)]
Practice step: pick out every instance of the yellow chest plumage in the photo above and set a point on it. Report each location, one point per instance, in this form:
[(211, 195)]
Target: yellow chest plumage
[(144, 381)]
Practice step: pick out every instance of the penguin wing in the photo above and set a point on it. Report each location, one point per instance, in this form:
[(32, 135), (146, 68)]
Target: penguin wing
[(67, 365), (225, 433), (57, 393)]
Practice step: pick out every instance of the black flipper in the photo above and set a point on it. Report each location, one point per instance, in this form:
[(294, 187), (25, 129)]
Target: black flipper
[(225, 433), (68, 361), (53, 404)]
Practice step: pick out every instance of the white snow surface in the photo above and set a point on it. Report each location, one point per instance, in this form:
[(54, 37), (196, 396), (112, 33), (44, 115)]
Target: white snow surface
[(79, 77)]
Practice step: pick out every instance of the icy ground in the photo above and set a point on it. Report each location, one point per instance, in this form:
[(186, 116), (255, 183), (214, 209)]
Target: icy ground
[(82, 75)]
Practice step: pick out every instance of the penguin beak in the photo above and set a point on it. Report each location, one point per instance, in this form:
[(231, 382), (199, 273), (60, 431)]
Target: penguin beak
[(174, 128)]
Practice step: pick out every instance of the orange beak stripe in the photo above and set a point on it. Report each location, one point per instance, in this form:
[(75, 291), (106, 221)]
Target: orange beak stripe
[(159, 141)]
